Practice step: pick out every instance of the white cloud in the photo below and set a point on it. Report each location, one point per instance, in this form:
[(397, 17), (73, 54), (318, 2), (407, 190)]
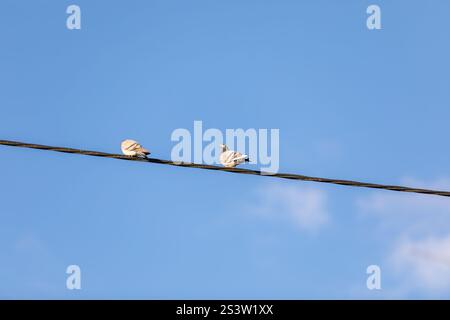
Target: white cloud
[(426, 262), (416, 230), (304, 206)]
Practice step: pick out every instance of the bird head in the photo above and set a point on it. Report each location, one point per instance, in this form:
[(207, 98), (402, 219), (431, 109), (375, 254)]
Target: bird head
[(223, 147)]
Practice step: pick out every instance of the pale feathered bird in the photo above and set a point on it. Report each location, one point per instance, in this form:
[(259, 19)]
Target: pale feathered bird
[(134, 149), (229, 158)]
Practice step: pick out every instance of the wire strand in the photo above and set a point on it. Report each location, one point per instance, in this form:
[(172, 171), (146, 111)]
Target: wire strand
[(233, 170)]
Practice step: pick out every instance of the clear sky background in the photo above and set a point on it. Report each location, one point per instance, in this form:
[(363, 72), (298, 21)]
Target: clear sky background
[(349, 102)]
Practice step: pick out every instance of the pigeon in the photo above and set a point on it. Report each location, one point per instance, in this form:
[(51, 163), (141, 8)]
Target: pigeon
[(134, 149), (230, 159)]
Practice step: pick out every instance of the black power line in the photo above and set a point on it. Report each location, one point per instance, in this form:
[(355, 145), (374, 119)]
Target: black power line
[(234, 170)]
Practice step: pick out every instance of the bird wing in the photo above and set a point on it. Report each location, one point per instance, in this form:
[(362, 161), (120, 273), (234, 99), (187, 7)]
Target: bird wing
[(232, 156), (134, 147)]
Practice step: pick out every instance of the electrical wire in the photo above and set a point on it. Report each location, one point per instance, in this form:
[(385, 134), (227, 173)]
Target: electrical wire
[(233, 170)]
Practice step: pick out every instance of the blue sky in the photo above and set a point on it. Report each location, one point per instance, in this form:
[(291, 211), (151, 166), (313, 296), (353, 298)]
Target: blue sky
[(349, 102)]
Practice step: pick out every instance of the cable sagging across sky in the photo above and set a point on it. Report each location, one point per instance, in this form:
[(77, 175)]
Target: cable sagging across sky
[(234, 170)]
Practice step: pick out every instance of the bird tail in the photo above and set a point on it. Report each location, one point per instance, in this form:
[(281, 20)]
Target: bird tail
[(245, 158)]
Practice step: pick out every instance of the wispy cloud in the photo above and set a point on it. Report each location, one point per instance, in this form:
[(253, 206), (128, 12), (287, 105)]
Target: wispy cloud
[(426, 262), (412, 213), (20, 255), (306, 207), (416, 231)]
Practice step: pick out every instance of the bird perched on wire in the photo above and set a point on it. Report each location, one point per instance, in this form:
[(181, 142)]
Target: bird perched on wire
[(134, 149), (230, 159)]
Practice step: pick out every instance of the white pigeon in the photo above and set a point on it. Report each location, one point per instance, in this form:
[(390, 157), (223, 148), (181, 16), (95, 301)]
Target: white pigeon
[(134, 149), (230, 159)]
